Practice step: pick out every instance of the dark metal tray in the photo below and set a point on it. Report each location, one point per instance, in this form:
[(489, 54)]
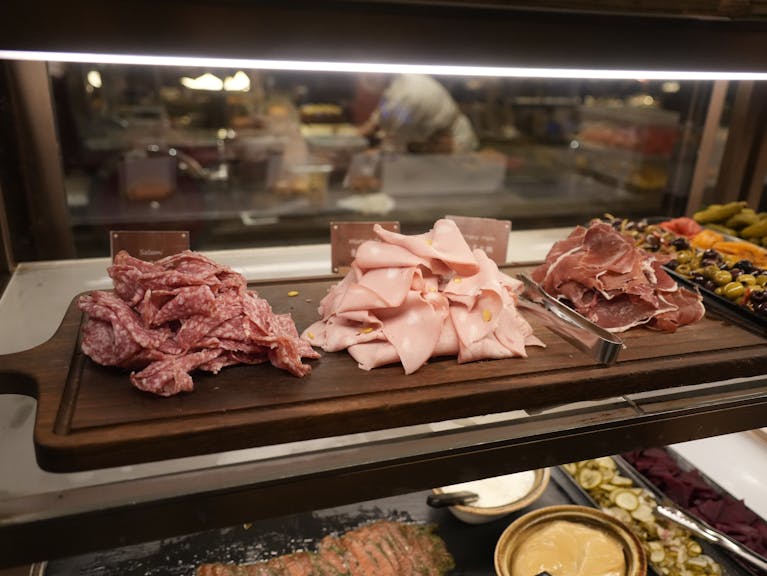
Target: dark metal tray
[(686, 466), (724, 307), (729, 566), (472, 546)]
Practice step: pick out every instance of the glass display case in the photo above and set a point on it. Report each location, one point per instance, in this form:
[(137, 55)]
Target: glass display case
[(285, 119), (269, 158)]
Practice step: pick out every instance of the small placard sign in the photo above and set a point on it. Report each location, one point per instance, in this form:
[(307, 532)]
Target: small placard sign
[(488, 234), (148, 245), (345, 238)]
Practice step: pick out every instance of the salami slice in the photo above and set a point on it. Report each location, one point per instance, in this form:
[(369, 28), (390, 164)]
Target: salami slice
[(183, 313)]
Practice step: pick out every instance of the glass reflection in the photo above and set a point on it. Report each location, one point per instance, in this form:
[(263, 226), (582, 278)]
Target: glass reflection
[(252, 158)]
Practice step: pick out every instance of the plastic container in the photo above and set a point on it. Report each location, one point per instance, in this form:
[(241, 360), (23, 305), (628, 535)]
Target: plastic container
[(147, 178), (308, 180), (425, 174)]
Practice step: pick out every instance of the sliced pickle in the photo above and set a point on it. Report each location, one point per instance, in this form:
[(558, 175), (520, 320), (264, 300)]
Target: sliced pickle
[(670, 550), (626, 500), (622, 481), (657, 556), (605, 462), (589, 478), (643, 513)]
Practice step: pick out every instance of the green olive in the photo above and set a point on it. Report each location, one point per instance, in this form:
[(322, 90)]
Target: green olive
[(761, 280), (722, 277), (718, 290), (733, 290), (756, 288), (710, 271), (683, 269), (747, 279), (683, 256)]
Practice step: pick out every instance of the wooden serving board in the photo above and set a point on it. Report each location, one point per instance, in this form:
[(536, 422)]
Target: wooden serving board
[(89, 416)]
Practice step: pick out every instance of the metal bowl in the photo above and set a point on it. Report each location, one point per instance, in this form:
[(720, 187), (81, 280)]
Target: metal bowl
[(516, 534)]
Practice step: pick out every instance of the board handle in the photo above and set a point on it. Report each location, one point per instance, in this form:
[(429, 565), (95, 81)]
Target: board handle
[(22, 372), (15, 377)]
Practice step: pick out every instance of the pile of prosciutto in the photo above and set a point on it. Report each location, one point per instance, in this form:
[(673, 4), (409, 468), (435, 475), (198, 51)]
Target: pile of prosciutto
[(182, 313), (614, 284), (410, 298)]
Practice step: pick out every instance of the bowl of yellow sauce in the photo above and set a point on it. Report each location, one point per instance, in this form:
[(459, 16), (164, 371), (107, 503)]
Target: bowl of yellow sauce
[(569, 541)]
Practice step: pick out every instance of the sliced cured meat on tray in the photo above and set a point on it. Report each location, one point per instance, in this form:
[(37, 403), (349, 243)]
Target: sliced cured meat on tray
[(89, 416)]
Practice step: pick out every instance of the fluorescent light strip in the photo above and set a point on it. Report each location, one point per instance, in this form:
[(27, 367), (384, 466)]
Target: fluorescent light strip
[(380, 68)]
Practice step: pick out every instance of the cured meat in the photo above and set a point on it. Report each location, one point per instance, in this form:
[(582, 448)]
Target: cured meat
[(615, 284), (184, 313), (411, 298), (383, 548), (682, 226)]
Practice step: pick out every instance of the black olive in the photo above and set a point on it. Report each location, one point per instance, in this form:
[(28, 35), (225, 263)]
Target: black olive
[(758, 297), (761, 308), (736, 272), (617, 224), (680, 243), (672, 264), (709, 285), (745, 265), (711, 254), (653, 242)]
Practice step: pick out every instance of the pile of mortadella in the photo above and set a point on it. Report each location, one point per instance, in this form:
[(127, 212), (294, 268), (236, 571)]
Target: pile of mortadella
[(411, 298)]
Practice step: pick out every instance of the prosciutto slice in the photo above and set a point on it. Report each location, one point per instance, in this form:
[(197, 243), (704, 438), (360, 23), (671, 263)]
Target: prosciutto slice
[(615, 284), (411, 298)]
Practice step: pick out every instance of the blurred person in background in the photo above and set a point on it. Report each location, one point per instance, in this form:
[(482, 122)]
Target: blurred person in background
[(415, 113)]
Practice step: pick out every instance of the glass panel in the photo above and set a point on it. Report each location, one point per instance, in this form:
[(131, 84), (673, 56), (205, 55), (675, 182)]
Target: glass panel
[(247, 158)]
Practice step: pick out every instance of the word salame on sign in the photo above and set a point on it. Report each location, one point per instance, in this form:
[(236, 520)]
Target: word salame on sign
[(150, 245)]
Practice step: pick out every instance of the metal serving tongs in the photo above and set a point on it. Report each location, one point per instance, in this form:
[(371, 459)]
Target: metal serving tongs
[(700, 528), (581, 332)]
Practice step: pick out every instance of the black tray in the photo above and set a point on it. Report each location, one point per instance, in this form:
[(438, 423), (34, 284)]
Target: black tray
[(687, 467), (472, 546), (728, 565), (724, 307)]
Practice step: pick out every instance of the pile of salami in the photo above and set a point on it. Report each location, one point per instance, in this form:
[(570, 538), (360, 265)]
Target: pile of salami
[(183, 313), (614, 284)]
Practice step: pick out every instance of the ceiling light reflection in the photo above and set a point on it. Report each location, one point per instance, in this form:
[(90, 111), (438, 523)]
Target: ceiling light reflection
[(383, 68)]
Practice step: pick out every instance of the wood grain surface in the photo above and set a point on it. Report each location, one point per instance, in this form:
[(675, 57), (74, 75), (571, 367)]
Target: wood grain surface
[(89, 416)]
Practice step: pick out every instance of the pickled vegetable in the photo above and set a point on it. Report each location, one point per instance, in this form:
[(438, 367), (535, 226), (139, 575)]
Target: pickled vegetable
[(718, 212), (670, 550), (733, 290)]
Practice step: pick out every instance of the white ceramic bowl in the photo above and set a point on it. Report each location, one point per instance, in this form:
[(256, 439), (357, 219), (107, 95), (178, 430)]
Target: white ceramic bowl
[(473, 514)]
